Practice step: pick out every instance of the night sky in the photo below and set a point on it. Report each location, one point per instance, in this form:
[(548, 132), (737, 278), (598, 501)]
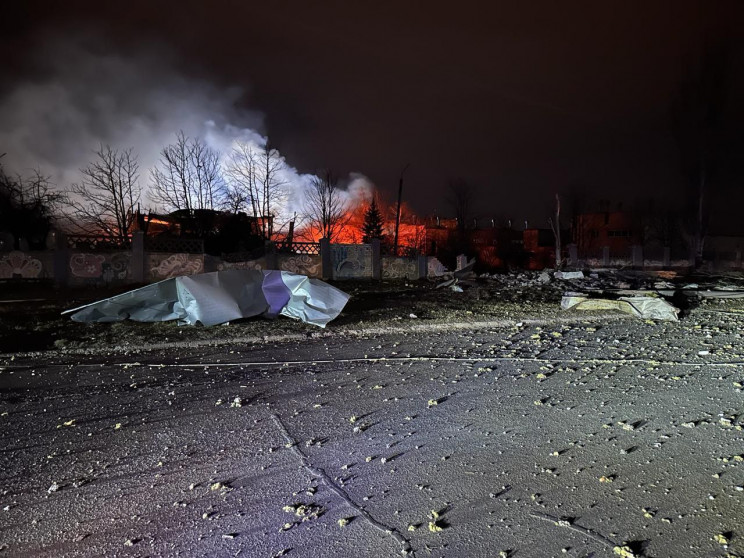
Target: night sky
[(522, 99)]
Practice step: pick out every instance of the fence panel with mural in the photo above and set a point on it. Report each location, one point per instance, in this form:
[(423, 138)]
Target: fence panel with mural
[(19, 264), (94, 268), (352, 261), (400, 268)]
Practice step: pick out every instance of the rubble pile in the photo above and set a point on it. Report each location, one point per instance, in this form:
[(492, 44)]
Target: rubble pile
[(645, 294)]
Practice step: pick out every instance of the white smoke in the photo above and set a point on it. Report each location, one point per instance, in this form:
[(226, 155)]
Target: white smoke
[(359, 189), (85, 97)]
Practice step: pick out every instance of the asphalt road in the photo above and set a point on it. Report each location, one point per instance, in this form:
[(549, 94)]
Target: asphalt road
[(592, 438)]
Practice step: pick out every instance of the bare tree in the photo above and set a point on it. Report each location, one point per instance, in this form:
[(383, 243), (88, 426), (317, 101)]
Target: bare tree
[(460, 199), (104, 201), (412, 236), (27, 207), (326, 207), (188, 176), (697, 117), (255, 184)]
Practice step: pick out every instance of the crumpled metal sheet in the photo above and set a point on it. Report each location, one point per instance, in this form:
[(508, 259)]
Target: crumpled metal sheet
[(647, 307), (219, 297)]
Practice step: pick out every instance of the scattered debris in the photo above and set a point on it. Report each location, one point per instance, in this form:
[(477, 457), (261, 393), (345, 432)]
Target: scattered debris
[(623, 551), (436, 524), (306, 512), (721, 538), (646, 307), (568, 275), (543, 278)]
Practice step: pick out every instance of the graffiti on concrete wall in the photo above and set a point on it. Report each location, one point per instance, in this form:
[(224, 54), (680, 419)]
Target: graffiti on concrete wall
[(248, 264), (108, 268), (116, 267), (18, 264), (302, 264), (400, 268), (163, 266), (87, 266), (351, 261)]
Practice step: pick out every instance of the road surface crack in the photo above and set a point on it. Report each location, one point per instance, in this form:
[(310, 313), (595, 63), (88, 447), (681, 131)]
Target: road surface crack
[(325, 477)]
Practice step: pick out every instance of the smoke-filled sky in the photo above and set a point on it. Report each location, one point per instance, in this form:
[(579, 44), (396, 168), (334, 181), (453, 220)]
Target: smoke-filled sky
[(522, 99)]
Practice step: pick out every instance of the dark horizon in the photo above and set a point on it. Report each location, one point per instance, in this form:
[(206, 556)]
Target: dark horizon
[(522, 102)]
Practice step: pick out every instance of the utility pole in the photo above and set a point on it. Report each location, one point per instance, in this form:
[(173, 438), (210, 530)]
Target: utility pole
[(397, 213), (556, 226)]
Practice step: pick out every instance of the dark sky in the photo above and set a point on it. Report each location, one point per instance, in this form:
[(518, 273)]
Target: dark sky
[(523, 99)]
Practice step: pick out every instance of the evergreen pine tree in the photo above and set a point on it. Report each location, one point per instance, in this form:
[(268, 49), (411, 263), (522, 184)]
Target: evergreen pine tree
[(372, 227)]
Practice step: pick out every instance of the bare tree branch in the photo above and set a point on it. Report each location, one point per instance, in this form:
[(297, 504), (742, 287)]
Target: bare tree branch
[(188, 176), (325, 207), (27, 207), (104, 201), (255, 184), (460, 199)]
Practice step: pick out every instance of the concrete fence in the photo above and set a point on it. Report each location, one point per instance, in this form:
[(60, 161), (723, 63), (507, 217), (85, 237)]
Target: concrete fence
[(138, 265), (653, 259)]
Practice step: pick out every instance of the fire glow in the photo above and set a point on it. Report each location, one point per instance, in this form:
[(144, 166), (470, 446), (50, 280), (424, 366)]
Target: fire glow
[(58, 107), (411, 233)]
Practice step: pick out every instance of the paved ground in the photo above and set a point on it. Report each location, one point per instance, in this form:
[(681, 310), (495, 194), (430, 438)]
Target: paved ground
[(596, 435)]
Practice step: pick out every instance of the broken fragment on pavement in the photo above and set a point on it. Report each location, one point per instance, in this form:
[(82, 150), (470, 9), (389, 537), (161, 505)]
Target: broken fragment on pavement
[(647, 307)]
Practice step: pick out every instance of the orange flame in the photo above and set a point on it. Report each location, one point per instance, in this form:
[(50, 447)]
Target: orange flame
[(411, 232)]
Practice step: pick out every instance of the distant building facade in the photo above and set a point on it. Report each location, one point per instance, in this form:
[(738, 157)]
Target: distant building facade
[(592, 232)]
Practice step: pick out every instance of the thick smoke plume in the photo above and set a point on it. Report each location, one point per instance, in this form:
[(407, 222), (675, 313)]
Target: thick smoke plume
[(84, 97)]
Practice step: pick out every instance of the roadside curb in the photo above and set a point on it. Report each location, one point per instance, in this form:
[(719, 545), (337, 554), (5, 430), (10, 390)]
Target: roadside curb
[(410, 327)]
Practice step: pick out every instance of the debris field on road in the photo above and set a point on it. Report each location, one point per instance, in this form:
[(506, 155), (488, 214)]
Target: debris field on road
[(574, 434)]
